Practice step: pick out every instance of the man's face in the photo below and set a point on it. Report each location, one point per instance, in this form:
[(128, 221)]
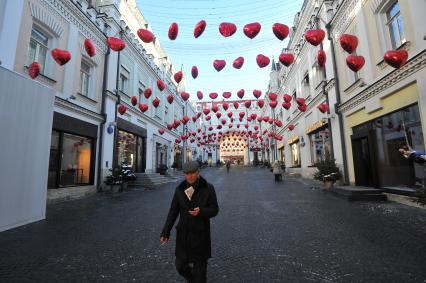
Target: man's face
[(191, 177)]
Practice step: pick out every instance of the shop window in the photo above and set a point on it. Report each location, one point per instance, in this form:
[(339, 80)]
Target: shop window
[(320, 145), (53, 160), (295, 154), (85, 74), (38, 47), (395, 25)]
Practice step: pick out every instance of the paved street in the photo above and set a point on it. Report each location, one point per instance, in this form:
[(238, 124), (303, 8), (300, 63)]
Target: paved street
[(264, 232)]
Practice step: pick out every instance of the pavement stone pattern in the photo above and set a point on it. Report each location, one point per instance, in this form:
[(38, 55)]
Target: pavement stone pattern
[(264, 232)]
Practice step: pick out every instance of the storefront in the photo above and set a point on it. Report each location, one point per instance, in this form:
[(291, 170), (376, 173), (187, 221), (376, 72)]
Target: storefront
[(375, 147), (161, 154), (131, 146), (177, 160), (295, 151), (319, 141), (72, 152), (281, 153)]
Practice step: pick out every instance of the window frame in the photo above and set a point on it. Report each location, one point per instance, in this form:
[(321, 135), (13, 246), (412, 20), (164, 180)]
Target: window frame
[(390, 20), (88, 74), (38, 30)]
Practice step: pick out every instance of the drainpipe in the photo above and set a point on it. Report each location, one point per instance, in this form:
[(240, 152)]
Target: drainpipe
[(338, 101)]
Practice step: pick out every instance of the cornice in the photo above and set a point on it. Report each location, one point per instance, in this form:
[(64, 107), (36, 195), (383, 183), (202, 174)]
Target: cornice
[(66, 105), (345, 15)]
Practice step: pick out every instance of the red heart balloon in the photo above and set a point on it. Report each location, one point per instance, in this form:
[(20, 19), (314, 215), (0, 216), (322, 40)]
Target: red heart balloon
[(396, 58), (302, 107), (278, 123), (253, 116), (240, 93), (280, 30), (122, 109), (116, 44), (260, 103), (218, 115), (227, 29), (251, 30), (262, 60), (178, 76), (273, 103), (223, 121), (314, 36), (226, 94), (134, 100), (355, 63), (229, 114), (145, 35), (321, 58), (173, 31), (194, 118), (286, 59), (194, 72), (143, 107), (219, 64), (89, 47), (238, 63), (147, 93), (291, 127), (286, 105), (348, 42), (170, 126), (161, 131), (265, 119), (300, 101), (215, 108), (236, 105), (170, 98), (259, 119), (177, 123), (287, 98), (272, 96), (160, 84), (177, 140), (61, 56), (156, 102), (213, 95), (184, 95), (198, 114), (247, 103), (206, 111), (257, 93), (323, 107), (225, 105), (185, 119), (199, 95), (34, 70), (199, 28)]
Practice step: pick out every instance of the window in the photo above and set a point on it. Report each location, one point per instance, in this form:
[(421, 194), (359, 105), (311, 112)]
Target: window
[(123, 83), (141, 90), (84, 78), (320, 145), (295, 154), (38, 47), (395, 25)]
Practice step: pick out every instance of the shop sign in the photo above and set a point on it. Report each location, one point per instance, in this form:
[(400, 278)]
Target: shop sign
[(293, 139), (315, 126)]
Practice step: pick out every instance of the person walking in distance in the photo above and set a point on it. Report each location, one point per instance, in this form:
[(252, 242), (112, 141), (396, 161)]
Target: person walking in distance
[(276, 169), (195, 202), (228, 166)]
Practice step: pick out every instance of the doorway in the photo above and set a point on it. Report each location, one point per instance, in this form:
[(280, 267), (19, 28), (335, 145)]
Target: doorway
[(362, 156)]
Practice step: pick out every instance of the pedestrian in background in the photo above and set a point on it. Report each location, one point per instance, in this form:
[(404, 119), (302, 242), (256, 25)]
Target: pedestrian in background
[(228, 166), (195, 202), (277, 171)]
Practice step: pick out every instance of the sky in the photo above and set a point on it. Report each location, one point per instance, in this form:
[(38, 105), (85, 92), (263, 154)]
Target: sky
[(187, 51)]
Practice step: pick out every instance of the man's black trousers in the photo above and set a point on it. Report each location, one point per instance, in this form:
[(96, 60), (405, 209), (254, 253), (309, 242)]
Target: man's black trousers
[(195, 274)]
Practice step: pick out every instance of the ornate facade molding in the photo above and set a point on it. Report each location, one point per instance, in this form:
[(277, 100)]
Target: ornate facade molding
[(46, 19), (70, 14), (64, 104), (345, 15), (414, 65)]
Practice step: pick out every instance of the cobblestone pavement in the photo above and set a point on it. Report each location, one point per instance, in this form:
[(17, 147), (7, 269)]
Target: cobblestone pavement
[(265, 232)]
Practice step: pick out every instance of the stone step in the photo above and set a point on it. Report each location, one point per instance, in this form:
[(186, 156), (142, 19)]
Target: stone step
[(352, 193)]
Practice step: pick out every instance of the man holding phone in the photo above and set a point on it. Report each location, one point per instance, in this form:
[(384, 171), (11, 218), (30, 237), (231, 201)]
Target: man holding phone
[(195, 202)]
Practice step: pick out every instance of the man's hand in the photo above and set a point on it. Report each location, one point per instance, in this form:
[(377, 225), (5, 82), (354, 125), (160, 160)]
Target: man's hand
[(163, 240), (195, 211)]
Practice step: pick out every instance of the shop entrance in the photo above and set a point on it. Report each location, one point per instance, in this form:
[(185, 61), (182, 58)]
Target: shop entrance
[(363, 162)]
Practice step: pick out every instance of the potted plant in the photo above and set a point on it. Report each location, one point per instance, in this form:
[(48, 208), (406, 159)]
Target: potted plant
[(162, 169), (328, 172), (115, 180)]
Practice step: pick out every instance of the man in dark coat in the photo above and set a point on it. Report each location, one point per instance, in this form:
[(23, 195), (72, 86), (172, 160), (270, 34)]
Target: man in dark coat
[(195, 202)]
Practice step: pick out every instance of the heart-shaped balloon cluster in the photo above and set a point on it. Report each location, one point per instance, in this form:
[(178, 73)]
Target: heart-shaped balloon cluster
[(302, 108), (116, 44), (396, 58), (229, 114), (272, 96), (300, 101), (236, 105), (247, 103), (286, 105), (185, 119), (355, 63), (238, 63), (227, 29), (280, 30), (286, 59), (287, 98), (89, 47), (219, 64), (240, 93), (291, 127), (251, 30), (194, 72), (34, 70), (61, 57), (145, 35), (206, 111), (262, 60), (161, 131), (199, 28), (173, 31), (314, 36), (178, 76), (225, 105), (260, 103), (273, 103)]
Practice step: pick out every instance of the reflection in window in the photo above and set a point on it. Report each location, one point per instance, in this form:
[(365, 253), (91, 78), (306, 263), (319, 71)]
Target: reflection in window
[(395, 25), (320, 145), (295, 154)]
